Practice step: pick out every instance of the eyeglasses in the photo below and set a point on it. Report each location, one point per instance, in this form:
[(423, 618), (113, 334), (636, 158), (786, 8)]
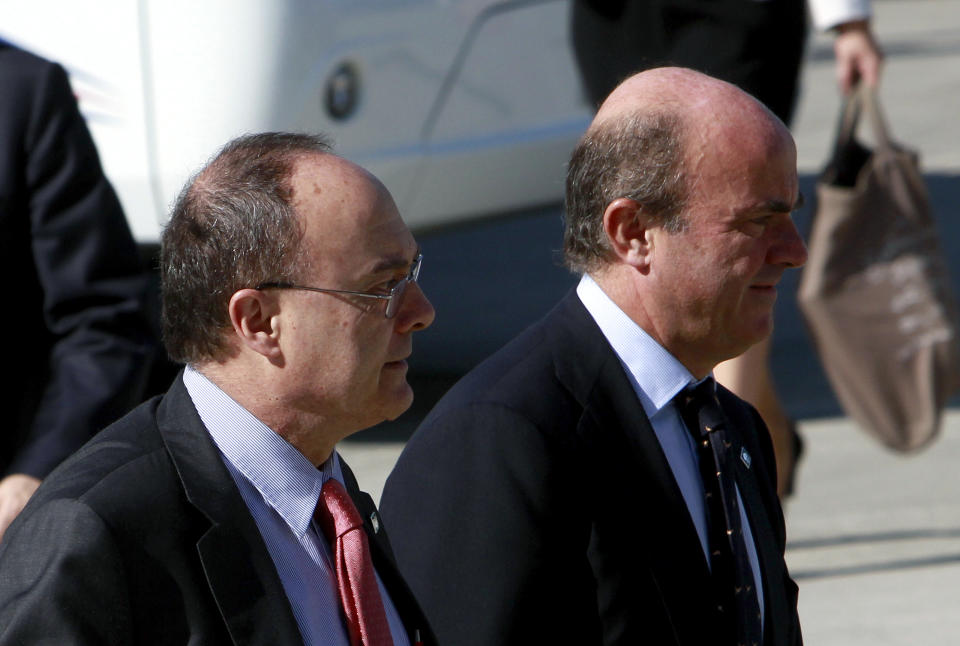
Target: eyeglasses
[(393, 297)]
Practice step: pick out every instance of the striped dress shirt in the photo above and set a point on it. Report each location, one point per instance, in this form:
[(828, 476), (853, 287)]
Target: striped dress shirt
[(281, 489)]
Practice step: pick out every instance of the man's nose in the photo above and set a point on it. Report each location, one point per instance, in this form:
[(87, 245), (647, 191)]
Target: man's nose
[(788, 248), (416, 312)]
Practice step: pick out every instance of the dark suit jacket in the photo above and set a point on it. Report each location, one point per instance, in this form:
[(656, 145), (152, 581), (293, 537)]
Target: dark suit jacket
[(755, 45), (534, 505), (143, 538), (78, 344)]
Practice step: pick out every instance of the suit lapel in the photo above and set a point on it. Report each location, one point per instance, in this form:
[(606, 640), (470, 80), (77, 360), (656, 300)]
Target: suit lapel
[(620, 440), (238, 568), (771, 561)]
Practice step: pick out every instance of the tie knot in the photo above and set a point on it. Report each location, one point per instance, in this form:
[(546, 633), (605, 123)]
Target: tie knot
[(699, 407), (705, 391), (336, 512)]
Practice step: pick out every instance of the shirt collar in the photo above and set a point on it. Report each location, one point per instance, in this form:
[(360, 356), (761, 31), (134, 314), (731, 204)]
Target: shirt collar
[(656, 374), (287, 480)]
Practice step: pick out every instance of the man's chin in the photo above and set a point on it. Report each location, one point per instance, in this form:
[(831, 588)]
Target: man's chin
[(399, 402), (760, 329)]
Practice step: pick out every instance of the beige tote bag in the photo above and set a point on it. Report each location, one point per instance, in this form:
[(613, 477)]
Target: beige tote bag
[(875, 291)]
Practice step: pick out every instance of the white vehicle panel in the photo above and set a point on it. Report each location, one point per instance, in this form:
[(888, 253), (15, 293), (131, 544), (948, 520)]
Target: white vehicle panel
[(464, 107)]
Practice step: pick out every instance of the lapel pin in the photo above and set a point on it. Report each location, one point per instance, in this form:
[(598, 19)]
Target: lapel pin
[(745, 457), (375, 521)]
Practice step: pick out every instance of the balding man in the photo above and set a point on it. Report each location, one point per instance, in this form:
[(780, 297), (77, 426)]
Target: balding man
[(220, 513), (589, 483)]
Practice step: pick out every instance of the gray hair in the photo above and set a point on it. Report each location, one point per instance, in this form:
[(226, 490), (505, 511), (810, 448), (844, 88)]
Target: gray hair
[(639, 157), (233, 226)]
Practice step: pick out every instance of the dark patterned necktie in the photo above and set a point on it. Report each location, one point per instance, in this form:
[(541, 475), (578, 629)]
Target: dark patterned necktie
[(356, 578), (730, 568)]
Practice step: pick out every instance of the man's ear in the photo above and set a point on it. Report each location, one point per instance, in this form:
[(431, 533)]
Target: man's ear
[(628, 231), (253, 316)]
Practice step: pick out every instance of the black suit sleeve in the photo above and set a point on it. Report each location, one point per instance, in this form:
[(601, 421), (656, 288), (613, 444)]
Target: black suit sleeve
[(93, 287), (485, 520), (56, 591)]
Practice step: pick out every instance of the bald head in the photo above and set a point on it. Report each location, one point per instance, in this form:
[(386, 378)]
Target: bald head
[(700, 100), (649, 142)]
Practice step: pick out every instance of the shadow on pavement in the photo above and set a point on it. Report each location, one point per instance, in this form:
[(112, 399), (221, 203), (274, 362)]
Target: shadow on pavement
[(872, 568), (853, 539), (870, 541)]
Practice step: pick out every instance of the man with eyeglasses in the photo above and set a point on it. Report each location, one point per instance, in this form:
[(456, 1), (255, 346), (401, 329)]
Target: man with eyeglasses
[(221, 512)]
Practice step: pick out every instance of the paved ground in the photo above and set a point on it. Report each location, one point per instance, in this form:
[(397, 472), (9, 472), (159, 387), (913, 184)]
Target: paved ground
[(874, 537)]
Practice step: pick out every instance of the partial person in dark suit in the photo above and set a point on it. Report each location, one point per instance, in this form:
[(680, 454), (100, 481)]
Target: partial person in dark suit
[(754, 44), (78, 344), (220, 512), (555, 495)]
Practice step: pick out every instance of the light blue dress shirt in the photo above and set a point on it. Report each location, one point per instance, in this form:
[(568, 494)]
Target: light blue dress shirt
[(281, 488), (657, 376)]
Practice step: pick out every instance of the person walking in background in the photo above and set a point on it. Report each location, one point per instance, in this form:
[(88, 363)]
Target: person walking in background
[(756, 45), (79, 346), (589, 483), (220, 513)]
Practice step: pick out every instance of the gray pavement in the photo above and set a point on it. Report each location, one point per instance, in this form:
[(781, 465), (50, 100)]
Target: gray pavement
[(874, 537)]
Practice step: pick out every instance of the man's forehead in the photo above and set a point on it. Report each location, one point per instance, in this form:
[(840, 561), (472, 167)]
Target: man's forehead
[(738, 143), (347, 211)]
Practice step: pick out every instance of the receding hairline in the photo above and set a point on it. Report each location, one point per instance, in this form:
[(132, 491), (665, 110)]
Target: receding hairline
[(333, 165)]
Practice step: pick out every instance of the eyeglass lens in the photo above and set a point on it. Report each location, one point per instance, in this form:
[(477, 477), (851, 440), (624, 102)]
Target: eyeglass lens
[(397, 296)]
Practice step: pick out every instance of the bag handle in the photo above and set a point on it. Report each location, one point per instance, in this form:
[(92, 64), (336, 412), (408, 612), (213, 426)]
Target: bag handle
[(862, 98)]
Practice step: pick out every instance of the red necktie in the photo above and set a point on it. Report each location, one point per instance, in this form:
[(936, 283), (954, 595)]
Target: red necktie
[(359, 593)]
